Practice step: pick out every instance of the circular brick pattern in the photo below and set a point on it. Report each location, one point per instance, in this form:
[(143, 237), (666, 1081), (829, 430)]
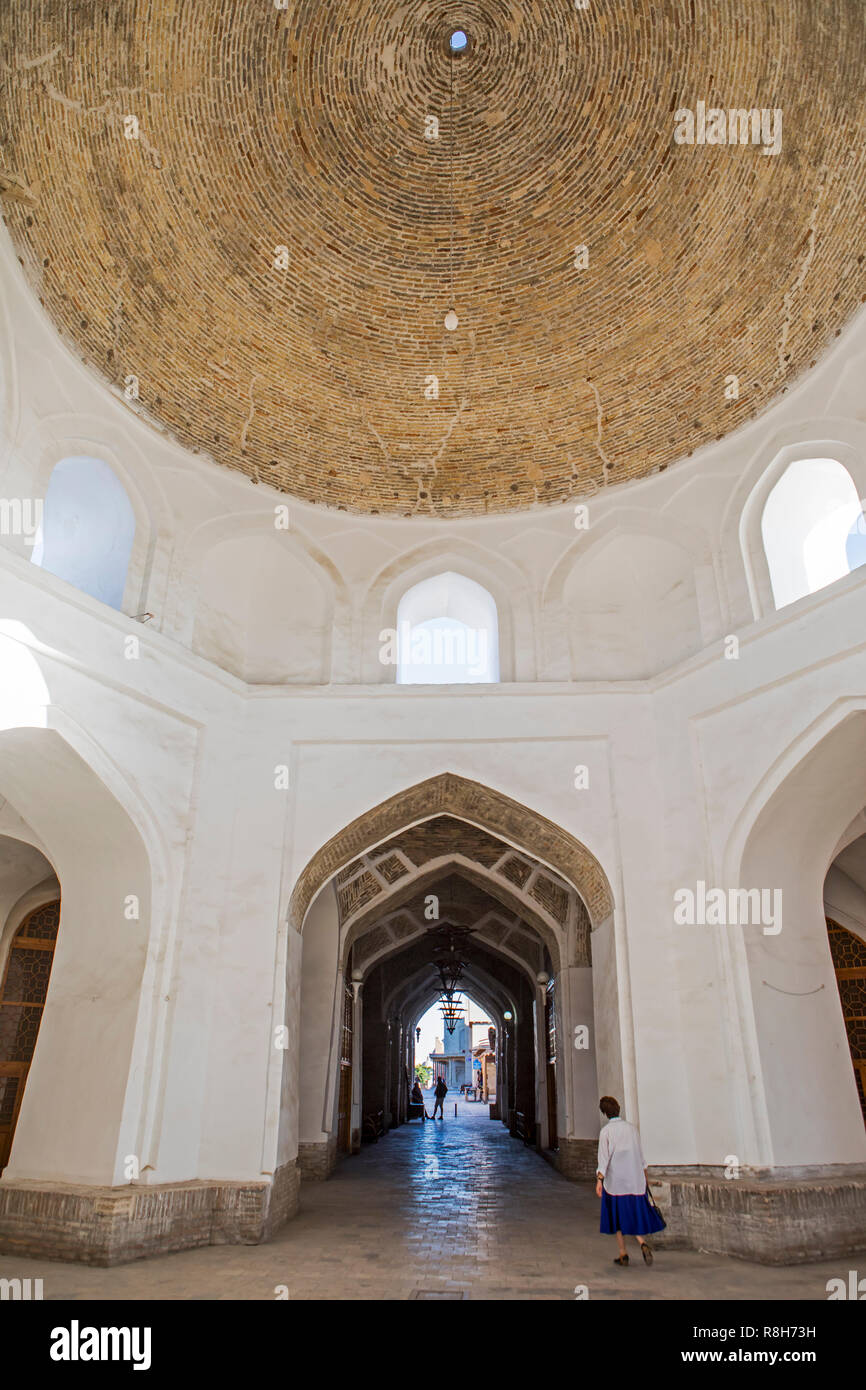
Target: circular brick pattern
[(260, 128)]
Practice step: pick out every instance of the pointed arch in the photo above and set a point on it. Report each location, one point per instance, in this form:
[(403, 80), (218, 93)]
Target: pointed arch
[(447, 631), (83, 1108), (467, 800), (812, 528), (633, 596), (245, 535), (503, 578), (783, 983), (749, 581), (626, 521), (417, 995), (68, 435), (789, 762)]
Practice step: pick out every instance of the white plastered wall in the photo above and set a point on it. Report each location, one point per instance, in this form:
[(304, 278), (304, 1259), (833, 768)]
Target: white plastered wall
[(320, 1017), (678, 747)]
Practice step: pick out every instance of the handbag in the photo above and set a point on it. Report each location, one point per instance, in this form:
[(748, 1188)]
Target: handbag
[(653, 1203)]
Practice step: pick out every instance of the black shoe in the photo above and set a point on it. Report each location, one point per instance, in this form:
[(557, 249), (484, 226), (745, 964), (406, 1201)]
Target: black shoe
[(647, 1253), (621, 1260)]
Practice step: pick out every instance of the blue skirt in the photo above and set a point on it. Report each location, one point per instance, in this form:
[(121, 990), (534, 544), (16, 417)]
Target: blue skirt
[(634, 1216)]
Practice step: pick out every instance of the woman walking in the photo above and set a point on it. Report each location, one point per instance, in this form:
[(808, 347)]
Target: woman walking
[(622, 1184)]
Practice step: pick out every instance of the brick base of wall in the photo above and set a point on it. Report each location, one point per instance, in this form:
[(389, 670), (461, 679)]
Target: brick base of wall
[(317, 1161), (773, 1217), (282, 1203), (576, 1159), (776, 1220), (110, 1225)]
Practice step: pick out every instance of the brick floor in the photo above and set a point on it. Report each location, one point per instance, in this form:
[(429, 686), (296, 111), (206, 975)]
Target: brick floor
[(453, 1209)]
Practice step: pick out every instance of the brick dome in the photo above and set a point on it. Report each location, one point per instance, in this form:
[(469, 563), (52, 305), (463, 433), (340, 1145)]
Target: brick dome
[(259, 128)]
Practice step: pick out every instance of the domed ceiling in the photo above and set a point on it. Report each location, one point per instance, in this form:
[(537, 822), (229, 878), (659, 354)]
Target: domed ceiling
[(156, 155)]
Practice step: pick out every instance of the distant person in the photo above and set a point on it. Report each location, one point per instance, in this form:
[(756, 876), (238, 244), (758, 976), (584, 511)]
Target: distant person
[(440, 1094), (622, 1184), (417, 1098)]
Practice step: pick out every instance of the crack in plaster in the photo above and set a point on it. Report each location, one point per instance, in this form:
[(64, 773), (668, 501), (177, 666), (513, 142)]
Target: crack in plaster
[(606, 463), (432, 465), (249, 419)]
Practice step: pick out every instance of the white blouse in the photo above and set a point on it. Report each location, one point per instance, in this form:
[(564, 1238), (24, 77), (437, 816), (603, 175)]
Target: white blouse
[(620, 1159)]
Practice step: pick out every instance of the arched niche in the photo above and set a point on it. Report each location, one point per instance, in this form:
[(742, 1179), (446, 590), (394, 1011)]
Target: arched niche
[(631, 606), (263, 614), (87, 528)]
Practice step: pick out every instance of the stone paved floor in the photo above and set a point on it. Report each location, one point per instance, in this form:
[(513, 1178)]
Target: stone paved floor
[(453, 1209)]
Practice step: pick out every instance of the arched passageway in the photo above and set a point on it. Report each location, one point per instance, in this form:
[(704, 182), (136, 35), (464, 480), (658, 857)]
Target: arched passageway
[(74, 1122), (402, 986), (23, 990), (29, 923), (449, 867), (845, 909), (794, 1028)]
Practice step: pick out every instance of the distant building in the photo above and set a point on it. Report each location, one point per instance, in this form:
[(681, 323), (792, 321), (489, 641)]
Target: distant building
[(453, 1057), (484, 1066), (460, 1061)]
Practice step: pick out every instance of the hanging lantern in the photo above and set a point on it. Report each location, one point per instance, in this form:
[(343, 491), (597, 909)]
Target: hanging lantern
[(452, 1012), (450, 976)]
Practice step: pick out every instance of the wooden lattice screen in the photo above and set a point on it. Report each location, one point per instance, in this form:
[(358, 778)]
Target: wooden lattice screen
[(344, 1106), (550, 1030), (22, 998), (849, 962)]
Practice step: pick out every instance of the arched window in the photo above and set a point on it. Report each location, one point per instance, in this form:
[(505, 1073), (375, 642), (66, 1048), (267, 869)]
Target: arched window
[(87, 529), (22, 998), (447, 633), (813, 528)]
